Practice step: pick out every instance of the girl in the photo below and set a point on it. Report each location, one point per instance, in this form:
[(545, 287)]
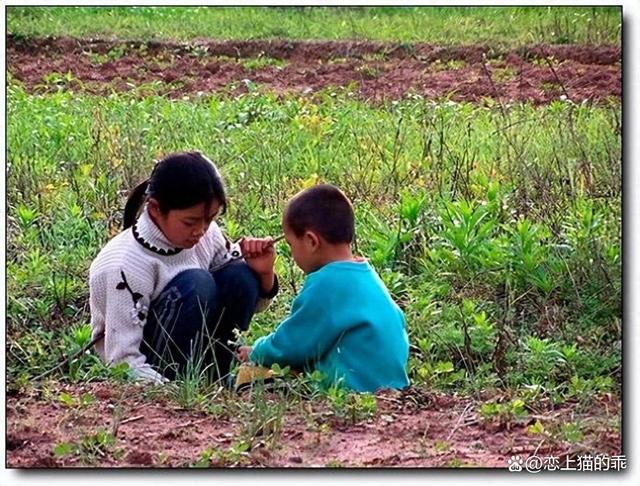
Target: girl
[(166, 291)]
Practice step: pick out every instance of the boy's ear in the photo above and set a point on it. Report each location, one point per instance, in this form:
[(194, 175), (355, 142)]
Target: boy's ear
[(313, 240)]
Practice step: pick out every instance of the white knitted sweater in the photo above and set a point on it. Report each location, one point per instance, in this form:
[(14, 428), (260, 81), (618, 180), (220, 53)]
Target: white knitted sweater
[(129, 273)]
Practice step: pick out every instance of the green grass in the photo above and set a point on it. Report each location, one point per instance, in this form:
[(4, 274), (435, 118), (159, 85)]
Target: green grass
[(498, 26), (497, 231)]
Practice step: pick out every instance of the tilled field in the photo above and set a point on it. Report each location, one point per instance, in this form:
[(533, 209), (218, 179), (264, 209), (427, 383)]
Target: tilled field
[(375, 71), (411, 429)]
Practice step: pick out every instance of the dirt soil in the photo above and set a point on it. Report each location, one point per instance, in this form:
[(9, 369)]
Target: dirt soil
[(409, 429), (374, 71)]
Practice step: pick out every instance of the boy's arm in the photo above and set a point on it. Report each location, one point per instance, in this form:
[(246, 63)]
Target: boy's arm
[(304, 336)]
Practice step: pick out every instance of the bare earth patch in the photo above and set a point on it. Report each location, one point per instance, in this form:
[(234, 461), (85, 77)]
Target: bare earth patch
[(375, 71), (409, 429)]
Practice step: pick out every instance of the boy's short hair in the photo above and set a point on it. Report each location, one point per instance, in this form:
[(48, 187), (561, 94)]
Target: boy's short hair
[(323, 209)]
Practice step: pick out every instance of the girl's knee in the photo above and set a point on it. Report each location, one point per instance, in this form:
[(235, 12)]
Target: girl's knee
[(243, 280), (196, 284), (239, 291)]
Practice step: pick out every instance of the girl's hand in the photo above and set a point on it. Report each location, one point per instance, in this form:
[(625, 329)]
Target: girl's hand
[(243, 353), (259, 254)]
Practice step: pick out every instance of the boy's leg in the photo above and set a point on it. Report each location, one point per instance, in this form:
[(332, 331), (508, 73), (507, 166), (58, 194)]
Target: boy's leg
[(177, 328), (239, 289)]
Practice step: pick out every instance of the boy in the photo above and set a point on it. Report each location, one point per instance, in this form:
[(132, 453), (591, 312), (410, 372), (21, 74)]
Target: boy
[(343, 322)]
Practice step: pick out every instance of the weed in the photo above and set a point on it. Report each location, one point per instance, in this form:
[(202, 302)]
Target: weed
[(368, 72), (450, 65), (234, 456), (350, 406), (551, 87), (503, 413), (375, 57), (89, 448), (571, 432), (262, 61), (198, 51), (441, 446), (111, 55), (84, 400), (455, 462), (263, 417), (502, 75)]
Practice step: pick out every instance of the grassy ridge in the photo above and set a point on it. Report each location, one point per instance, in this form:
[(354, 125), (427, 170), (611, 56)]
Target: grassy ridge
[(497, 231), (500, 26)]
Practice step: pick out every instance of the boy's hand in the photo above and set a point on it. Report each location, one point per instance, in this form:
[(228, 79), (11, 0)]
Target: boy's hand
[(259, 254), (243, 353)]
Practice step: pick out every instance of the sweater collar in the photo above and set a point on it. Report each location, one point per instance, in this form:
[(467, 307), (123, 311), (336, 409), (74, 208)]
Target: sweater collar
[(151, 237)]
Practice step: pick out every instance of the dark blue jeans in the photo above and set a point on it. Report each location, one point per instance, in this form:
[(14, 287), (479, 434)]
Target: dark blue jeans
[(193, 318)]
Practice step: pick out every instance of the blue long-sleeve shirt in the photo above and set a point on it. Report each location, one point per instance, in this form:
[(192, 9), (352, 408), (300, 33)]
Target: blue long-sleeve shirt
[(345, 324)]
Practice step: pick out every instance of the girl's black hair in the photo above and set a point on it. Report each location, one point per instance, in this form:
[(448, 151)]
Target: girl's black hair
[(178, 181), (324, 209)]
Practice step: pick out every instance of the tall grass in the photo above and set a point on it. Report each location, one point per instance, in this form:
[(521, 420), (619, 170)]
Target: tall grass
[(496, 228), (498, 26)]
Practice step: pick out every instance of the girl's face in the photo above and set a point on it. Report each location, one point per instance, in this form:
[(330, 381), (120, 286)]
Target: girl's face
[(184, 227)]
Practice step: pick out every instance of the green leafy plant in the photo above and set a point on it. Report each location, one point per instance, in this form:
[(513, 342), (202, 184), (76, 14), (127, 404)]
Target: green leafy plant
[(351, 406), (89, 448), (504, 413), (234, 456)]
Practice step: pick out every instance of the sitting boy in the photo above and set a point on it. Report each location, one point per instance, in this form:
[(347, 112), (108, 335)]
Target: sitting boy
[(343, 322)]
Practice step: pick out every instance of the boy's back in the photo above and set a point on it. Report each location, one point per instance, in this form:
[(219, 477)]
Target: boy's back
[(345, 324)]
